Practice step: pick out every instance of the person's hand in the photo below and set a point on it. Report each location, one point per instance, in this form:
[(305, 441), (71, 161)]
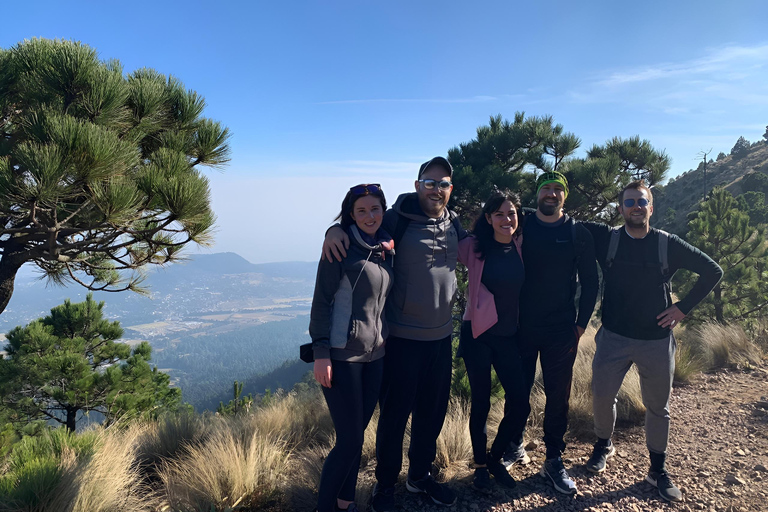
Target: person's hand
[(323, 372), (670, 317), (335, 244)]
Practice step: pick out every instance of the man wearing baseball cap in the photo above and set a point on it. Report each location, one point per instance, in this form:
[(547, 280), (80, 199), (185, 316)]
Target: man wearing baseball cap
[(557, 252)]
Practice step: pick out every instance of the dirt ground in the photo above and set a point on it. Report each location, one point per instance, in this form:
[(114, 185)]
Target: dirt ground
[(718, 454)]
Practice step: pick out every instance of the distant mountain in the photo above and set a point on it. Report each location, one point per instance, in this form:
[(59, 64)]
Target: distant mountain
[(675, 200)]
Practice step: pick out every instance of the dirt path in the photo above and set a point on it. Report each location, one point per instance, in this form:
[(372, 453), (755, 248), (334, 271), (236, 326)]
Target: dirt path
[(718, 457)]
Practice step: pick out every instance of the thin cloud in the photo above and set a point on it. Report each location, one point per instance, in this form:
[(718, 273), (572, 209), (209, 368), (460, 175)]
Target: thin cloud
[(730, 59), (473, 99)]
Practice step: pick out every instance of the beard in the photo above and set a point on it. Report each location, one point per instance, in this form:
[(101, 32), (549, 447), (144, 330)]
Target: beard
[(548, 208), (432, 208), (635, 222)]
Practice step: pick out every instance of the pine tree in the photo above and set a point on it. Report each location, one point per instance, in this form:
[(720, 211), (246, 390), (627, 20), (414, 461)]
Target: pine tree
[(98, 169), (724, 232), (71, 362)]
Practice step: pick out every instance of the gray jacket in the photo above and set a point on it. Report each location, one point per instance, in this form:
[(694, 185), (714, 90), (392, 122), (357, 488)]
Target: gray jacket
[(420, 304), (347, 317)]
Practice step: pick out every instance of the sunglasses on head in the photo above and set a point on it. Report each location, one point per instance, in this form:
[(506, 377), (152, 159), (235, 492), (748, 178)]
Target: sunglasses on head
[(364, 190), (629, 203), (431, 184)]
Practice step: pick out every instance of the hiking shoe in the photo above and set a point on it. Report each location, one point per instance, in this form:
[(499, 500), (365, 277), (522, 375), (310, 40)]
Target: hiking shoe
[(515, 455), (500, 474), (482, 479), (599, 459), (383, 498), (553, 470), (440, 494), (667, 490)]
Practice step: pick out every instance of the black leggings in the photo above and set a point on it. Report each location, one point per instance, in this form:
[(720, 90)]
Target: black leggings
[(351, 401), (503, 353)]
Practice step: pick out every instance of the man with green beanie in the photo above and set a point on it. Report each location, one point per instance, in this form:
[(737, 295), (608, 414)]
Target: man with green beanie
[(557, 252)]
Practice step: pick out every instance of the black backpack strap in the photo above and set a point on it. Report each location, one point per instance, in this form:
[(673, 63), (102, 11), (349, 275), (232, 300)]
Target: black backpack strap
[(456, 221), (613, 246), (400, 227), (664, 252)]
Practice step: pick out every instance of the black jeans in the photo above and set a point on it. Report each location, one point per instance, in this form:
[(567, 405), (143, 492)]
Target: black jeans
[(417, 381), (558, 353), (351, 401), (503, 353)]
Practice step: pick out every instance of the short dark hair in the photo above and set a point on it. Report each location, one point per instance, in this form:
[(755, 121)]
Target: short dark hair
[(636, 185), (482, 230), (345, 215)]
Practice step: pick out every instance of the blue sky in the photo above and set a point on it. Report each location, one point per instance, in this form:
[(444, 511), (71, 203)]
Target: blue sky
[(322, 95)]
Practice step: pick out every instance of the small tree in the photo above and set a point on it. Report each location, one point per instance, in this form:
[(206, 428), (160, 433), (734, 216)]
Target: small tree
[(765, 135), (741, 148), (724, 233), (239, 404), (98, 170), (720, 156), (70, 362)]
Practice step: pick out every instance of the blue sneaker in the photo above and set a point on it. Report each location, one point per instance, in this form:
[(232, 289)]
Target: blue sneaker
[(554, 471)]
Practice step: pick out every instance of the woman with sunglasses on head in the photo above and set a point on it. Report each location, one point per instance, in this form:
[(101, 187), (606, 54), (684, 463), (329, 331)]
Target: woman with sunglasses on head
[(348, 331), (495, 273)]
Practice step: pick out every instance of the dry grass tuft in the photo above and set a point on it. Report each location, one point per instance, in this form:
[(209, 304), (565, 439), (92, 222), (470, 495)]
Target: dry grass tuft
[(236, 464), (111, 480), (454, 447), (723, 346)]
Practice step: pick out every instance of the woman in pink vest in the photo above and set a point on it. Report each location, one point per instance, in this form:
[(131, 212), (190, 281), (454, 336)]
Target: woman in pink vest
[(489, 332)]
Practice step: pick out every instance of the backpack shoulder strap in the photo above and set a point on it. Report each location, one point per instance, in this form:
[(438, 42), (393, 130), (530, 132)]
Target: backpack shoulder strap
[(400, 227), (455, 221), (613, 246), (664, 252)]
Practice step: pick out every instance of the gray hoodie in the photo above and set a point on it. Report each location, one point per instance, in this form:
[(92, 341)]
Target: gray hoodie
[(346, 321), (420, 304)]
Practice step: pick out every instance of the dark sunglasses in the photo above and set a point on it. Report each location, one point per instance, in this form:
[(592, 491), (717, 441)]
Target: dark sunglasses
[(629, 203), (431, 184), (364, 190)]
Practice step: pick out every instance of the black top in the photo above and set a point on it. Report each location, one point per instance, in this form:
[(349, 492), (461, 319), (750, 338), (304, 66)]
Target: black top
[(552, 262), (503, 275), (635, 289)]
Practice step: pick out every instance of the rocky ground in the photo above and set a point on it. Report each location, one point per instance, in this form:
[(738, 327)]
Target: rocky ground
[(718, 457)]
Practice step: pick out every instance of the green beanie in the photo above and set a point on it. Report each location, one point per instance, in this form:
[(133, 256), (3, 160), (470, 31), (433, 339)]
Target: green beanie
[(552, 177)]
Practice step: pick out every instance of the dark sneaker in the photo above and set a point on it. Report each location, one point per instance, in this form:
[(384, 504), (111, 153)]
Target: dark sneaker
[(667, 489), (440, 494), (482, 479), (515, 455), (554, 471), (500, 474), (383, 499), (599, 459), (351, 508)]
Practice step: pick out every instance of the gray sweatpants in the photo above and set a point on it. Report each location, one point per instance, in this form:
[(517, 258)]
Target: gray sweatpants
[(655, 360)]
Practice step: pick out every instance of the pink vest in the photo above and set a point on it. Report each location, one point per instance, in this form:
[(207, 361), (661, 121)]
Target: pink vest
[(481, 308)]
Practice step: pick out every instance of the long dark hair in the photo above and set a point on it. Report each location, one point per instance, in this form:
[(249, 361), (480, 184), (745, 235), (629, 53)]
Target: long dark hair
[(482, 230), (345, 215)]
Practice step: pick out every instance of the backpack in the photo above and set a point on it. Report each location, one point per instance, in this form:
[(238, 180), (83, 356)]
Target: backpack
[(613, 246)]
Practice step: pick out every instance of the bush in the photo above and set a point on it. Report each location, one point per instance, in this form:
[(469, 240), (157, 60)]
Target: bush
[(723, 346)]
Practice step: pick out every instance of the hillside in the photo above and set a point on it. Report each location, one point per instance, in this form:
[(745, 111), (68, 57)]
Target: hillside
[(675, 200)]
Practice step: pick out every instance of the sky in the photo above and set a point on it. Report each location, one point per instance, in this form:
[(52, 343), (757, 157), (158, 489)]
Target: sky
[(322, 95)]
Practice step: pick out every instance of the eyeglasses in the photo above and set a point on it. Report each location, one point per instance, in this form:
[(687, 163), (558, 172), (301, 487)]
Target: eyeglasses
[(431, 184), (629, 203), (364, 190)]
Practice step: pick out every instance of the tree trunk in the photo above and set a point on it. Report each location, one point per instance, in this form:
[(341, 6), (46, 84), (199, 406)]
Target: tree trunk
[(718, 303), (71, 413), (10, 263)]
